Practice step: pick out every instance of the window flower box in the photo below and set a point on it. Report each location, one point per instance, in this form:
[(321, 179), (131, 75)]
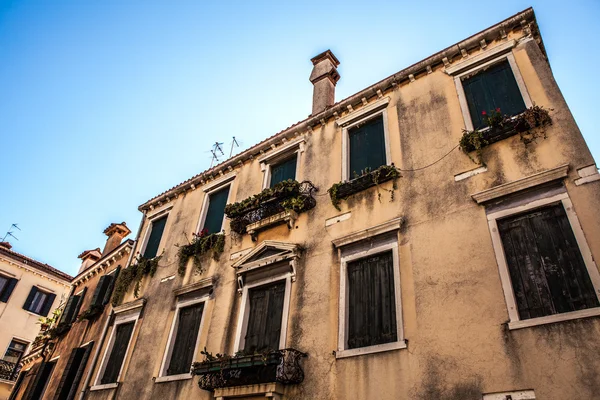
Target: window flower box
[(343, 190)]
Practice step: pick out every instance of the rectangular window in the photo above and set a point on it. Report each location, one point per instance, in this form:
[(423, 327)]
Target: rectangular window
[(15, 351), (39, 302), (217, 201), (156, 231), (39, 380), (547, 271), (367, 146), (491, 88), (186, 333), (71, 310), (263, 331), (283, 170), (7, 285), (69, 381), (103, 290), (120, 343), (371, 301)]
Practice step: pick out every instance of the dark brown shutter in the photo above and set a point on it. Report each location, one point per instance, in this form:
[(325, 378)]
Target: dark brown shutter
[(68, 313), (79, 303), (547, 271), (29, 300), (118, 353), (283, 171), (158, 227), (68, 376), (8, 289), (185, 339), (100, 292), (37, 383), (47, 304), (216, 210), (371, 301), (264, 319), (80, 370), (111, 287), (367, 147), (17, 387)]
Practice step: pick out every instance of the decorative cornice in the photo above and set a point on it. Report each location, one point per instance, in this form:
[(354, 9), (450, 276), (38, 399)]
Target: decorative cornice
[(132, 305), (104, 262), (521, 184), (481, 57), (389, 226), (205, 283), (363, 111)]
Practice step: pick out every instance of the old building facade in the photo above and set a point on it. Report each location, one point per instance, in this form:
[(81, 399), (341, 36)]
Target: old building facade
[(29, 290), (363, 255)]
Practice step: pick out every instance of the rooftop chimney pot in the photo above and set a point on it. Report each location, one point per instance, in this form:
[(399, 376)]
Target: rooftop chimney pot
[(115, 233), (324, 77)]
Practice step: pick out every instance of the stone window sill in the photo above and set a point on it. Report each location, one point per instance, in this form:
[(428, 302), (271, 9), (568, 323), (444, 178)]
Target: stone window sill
[(171, 378), (550, 319), (105, 386), (371, 349)]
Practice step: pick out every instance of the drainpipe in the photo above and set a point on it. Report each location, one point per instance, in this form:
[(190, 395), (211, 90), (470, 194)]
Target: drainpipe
[(88, 377)]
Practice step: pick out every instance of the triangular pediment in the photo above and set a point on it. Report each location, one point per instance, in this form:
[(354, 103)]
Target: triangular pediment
[(267, 252)]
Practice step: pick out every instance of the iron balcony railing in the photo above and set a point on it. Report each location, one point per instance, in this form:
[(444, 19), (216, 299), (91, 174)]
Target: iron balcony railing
[(8, 370)]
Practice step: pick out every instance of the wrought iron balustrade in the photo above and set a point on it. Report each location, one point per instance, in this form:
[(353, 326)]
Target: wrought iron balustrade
[(8, 370)]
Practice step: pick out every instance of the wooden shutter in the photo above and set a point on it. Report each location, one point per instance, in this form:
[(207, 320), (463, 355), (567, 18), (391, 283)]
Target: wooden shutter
[(68, 376), (367, 147), (547, 271), (158, 227), (117, 353), (47, 304), (70, 311), (490, 89), (216, 210), (38, 382), (103, 285), (8, 289), (283, 171), (111, 287), (264, 320), (185, 339), (371, 301), (17, 387), (80, 370), (29, 300)]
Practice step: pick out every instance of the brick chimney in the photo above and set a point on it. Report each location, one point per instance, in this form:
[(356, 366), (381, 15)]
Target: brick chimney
[(6, 245), (324, 77), (115, 233), (88, 258)]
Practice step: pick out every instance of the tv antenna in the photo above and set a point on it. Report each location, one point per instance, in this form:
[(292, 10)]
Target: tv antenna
[(233, 143), (216, 149), (10, 232)]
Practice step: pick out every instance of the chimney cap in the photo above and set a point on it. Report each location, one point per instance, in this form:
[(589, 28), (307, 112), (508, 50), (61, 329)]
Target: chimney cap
[(6, 245), (324, 55), (121, 229), (95, 253)]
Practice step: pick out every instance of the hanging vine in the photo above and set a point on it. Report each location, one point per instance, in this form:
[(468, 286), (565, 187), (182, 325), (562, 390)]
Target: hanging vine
[(201, 245), (133, 275)]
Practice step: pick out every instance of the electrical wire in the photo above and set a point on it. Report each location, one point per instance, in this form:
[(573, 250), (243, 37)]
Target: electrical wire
[(433, 163)]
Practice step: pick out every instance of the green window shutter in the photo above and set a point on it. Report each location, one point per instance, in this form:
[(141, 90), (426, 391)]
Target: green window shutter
[(495, 87), (9, 286), (29, 300), (111, 287), (69, 372), (47, 304), (156, 232), (117, 353), (264, 320), (100, 292), (185, 340), (283, 171), (367, 147), (80, 371), (216, 210), (70, 311)]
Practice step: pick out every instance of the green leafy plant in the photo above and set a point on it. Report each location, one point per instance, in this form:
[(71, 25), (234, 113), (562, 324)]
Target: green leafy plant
[(473, 141), (202, 244), (91, 313), (282, 190), (133, 275)]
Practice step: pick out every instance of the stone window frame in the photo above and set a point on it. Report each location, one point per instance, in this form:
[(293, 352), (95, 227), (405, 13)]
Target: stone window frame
[(280, 154), (213, 187), (124, 314), (486, 58), (26, 342), (368, 112), (151, 218), (509, 296), (365, 243), (514, 395), (162, 374)]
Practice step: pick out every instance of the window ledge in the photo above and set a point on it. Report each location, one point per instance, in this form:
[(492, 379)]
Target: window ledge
[(371, 349), (105, 386), (550, 319), (288, 216), (170, 378)]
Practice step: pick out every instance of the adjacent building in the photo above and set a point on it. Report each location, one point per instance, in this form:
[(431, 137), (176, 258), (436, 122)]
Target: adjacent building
[(29, 290), (432, 236)]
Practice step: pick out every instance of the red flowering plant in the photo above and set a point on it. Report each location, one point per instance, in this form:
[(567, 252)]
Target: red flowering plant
[(494, 118)]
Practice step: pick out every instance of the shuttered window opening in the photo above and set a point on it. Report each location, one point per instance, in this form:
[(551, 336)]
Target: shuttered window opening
[(546, 268), (283, 171), (264, 319), (15, 351), (39, 380), (188, 326), (71, 310), (69, 381), (156, 232), (111, 286), (367, 146), (39, 302), (7, 285), (104, 284), (216, 210), (371, 301), (492, 88), (117, 353), (15, 390)]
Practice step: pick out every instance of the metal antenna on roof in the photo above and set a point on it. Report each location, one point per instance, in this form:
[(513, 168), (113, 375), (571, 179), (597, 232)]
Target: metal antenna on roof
[(234, 143), (9, 232), (215, 150)]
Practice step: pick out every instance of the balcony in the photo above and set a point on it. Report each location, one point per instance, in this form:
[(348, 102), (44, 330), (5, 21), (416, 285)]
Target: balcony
[(273, 206), (343, 190), (281, 366), (9, 371)]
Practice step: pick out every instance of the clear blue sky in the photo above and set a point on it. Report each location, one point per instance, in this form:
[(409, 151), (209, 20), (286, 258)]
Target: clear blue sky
[(105, 104)]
